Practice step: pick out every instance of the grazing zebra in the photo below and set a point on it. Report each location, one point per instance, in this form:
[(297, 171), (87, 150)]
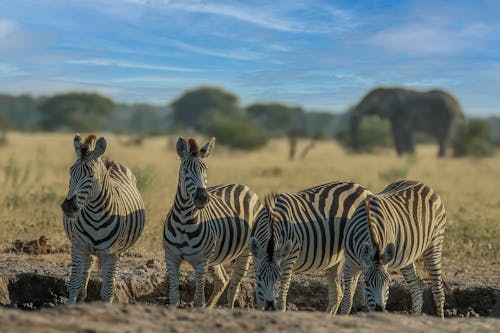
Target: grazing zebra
[(103, 215), (302, 232), (207, 227), (390, 231)]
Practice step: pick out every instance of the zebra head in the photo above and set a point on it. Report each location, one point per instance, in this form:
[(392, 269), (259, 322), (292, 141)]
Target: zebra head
[(374, 263), (268, 267), (193, 170), (86, 174)]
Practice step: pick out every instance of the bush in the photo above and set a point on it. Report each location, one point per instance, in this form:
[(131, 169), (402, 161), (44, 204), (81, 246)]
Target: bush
[(374, 133), (473, 138), (236, 131)]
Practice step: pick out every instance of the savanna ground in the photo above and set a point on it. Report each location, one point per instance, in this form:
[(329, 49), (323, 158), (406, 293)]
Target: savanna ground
[(34, 177)]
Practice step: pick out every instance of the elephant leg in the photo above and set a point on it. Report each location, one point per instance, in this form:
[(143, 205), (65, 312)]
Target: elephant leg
[(397, 137)]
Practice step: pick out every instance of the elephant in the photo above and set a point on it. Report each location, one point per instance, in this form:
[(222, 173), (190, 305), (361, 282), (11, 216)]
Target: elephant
[(435, 112)]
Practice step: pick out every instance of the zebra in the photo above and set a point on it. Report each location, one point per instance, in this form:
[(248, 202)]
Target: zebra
[(302, 232), (103, 215), (207, 227), (389, 231)]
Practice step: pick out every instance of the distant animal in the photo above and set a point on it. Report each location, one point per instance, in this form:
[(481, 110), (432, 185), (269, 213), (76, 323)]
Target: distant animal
[(302, 232), (435, 112), (36, 246), (103, 215), (390, 231), (207, 227)]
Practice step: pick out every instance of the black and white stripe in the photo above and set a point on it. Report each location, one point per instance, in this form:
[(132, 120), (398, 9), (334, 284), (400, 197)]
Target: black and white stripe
[(302, 232), (207, 227), (103, 215), (389, 231)]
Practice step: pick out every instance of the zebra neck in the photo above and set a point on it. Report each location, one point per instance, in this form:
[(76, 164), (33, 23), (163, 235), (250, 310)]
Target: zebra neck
[(382, 230), (105, 203), (184, 209)]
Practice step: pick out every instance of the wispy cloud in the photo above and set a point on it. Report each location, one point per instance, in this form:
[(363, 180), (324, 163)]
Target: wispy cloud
[(7, 70), (127, 64), (240, 54), (428, 38)]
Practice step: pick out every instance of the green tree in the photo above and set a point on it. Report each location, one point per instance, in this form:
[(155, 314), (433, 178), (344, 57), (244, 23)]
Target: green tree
[(194, 108), (236, 131), (75, 111), (474, 138), (374, 133), (280, 119)]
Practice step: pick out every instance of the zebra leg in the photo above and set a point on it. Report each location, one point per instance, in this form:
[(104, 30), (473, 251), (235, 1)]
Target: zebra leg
[(173, 267), (240, 271), (416, 288), (199, 292), (220, 282), (335, 292), (85, 278), (351, 277), (108, 263), (432, 258), (80, 262), (286, 277)]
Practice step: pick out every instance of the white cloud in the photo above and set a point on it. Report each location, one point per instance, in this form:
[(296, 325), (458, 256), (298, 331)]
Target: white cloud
[(7, 70), (127, 64), (240, 54), (426, 38), (6, 28)]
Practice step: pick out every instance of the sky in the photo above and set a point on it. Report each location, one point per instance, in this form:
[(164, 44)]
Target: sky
[(322, 55)]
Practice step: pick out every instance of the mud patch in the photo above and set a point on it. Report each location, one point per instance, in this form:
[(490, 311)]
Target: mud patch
[(32, 291)]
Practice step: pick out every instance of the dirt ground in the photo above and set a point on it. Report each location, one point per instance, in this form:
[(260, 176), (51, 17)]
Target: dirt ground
[(30, 282)]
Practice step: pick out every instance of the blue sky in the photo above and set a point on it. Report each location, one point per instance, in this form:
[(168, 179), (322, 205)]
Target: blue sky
[(319, 54)]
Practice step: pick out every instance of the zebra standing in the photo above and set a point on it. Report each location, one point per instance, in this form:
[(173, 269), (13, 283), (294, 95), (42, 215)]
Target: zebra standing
[(302, 232), (103, 215), (390, 231), (207, 227)]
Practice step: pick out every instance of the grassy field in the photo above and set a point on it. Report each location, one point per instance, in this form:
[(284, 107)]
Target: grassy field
[(34, 178)]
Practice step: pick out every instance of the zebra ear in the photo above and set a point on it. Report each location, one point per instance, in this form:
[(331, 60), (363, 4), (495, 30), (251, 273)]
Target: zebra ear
[(77, 143), (366, 254), (100, 146), (285, 249), (389, 254), (255, 248), (182, 147), (207, 149)]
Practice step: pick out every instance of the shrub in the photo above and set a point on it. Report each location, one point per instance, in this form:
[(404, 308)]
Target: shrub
[(236, 131), (473, 138), (373, 133)]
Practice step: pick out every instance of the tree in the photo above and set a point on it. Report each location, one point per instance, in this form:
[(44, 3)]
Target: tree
[(280, 119), (76, 111), (194, 108)]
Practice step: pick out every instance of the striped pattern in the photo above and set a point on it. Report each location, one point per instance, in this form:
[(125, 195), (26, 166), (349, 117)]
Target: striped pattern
[(302, 232), (207, 227), (103, 216), (389, 231)]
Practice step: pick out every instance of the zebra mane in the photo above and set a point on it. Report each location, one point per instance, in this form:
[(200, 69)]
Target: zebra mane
[(270, 204), (371, 227), (194, 148), (88, 144)]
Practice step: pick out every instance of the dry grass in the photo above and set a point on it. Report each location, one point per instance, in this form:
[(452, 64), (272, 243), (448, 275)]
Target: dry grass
[(34, 178)]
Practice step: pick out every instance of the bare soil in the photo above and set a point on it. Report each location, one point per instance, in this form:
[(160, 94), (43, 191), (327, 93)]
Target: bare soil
[(40, 282)]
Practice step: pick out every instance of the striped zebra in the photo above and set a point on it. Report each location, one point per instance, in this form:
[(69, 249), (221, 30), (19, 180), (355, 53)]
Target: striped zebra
[(103, 215), (302, 232), (207, 227), (389, 231)]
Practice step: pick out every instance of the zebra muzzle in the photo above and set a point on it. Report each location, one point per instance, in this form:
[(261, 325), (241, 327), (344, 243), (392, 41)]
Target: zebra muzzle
[(201, 198), (69, 207), (269, 306)]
